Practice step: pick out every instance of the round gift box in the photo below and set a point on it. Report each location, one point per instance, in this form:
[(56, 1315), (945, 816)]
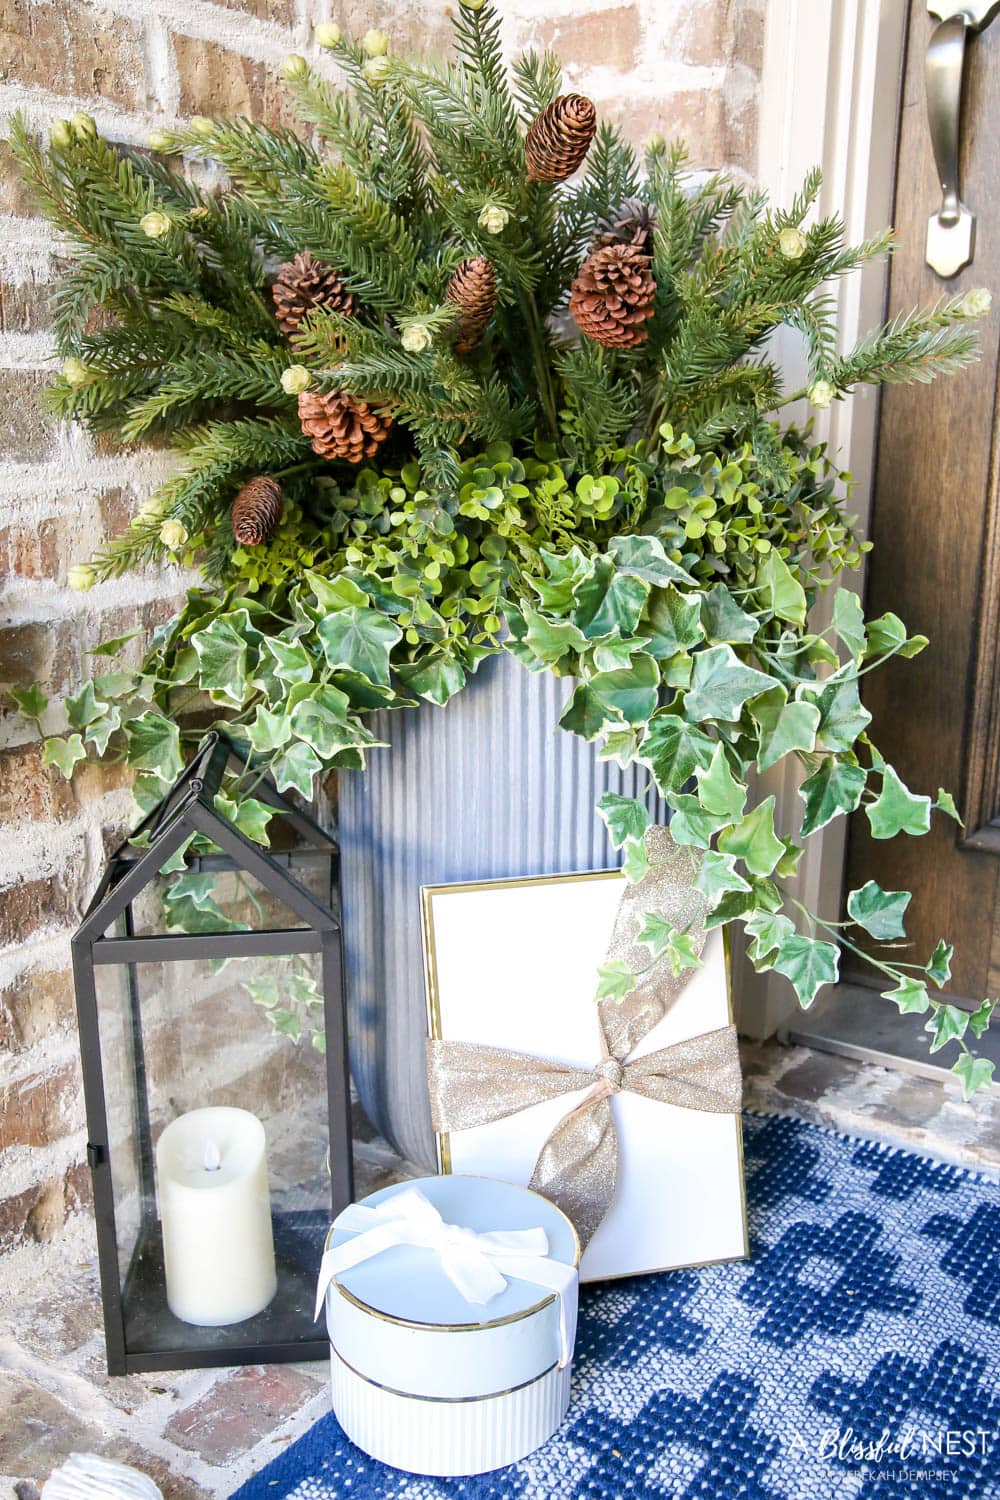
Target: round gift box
[(431, 1383)]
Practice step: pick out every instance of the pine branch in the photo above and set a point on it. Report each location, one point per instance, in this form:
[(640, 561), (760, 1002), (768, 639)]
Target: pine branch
[(917, 346), (538, 81)]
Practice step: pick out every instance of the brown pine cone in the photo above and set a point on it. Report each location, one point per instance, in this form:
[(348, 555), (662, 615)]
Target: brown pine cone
[(473, 287), (341, 426), (257, 511), (559, 138), (631, 223), (304, 284), (612, 298)]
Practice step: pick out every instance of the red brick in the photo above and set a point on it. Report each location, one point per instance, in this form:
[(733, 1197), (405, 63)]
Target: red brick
[(28, 431), (36, 1006), (217, 81), (41, 1108), (34, 551), (605, 38), (241, 1409), (281, 11), (14, 195), (34, 904), (56, 46), (25, 307), (29, 791)]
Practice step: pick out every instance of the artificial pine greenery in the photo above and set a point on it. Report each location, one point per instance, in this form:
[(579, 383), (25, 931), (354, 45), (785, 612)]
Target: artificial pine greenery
[(581, 457)]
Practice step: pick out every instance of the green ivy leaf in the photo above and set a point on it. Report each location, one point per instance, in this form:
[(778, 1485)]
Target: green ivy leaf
[(292, 663), (262, 991), (616, 656), (673, 623), (630, 693), (113, 646), (849, 622), (754, 840), (295, 768), (587, 714), (621, 746), (565, 574), (788, 864), (734, 904), (768, 930), (910, 995), (304, 990), (779, 590), (250, 816), (887, 635), (359, 640), (783, 726), (655, 932), (718, 876), (222, 662), (946, 1024), (974, 1072), (939, 967), (879, 912), (946, 803), (609, 602), (64, 753), (718, 790), (673, 750), (269, 731), (834, 788), (980, 1019), (551, 640), (723, 620), (337, 593), (644, 557), (321, 721), (31, 702), (615, 980), (809, 963), (436, 678), (84, 707), (285, 1023), (690, 825), (624, 817), (843, 717), (897, 810), (154, 744), (635, 865), (721, 684), (189, 904)]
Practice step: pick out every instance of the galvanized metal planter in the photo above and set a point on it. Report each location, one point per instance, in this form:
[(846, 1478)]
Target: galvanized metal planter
[(483, 789)]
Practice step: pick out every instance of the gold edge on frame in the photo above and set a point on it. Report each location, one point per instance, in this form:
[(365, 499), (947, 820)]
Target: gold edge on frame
[(442, 1140)]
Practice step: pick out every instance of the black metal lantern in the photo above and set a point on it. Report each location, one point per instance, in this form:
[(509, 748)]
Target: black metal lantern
[(215, 1078)]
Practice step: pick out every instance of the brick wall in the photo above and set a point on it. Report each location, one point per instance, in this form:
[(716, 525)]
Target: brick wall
[(680, 66)]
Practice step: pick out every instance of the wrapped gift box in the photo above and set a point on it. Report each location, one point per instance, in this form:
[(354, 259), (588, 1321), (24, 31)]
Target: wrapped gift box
[(431, 1372)]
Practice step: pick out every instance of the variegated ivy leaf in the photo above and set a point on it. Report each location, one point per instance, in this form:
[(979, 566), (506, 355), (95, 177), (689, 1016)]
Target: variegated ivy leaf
[(910, 995), (834, 788), (946, 1024), (946, 803), (673, 622), (295, 769), (359, 640), (635, 865), (564, 574), (887, 636), (615, 980), (783, 726), (31, 702), (319, 1042), (269, 731), (939, 966), (64, 753), (842, 715), (551, 640), (263, 991), (979, 1020), (285, 1023), (718, 790), (768, 930), (724, 621), (754, 840), (321, 720), (779, 591), (189, 904), (974, 1072), (621, 746), (616, 656), (897, 809), (718, 875), (721, 684), (644, 557), (879, 912), (154, 744), (690, 825), (673, 749), (849, 622), (99, 733), (291, 661), (249, 815), (84, 707), (437, 678), (609, 603), (809, 963), (625, 817), (304, 990), (113, 646), (664, 940), (336, 593), (222, 662)]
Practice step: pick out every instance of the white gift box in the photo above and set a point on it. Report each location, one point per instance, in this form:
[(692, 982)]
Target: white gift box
[(451, 1335), (512, 964)]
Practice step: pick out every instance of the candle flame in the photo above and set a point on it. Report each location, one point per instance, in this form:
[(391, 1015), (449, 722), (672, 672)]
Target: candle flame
[(212, 1156)]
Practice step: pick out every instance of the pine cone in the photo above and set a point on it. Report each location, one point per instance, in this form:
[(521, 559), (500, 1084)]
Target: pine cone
[(613, 295), (341, 426), (257, 511), (559, 138), (631, 223), (473, 287), (304, 284)]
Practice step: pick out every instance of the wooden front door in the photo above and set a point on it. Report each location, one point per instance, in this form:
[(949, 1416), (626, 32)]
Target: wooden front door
[(936, 561)]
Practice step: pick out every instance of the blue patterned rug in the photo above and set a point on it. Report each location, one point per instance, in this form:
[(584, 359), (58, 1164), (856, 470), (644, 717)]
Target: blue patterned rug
[(856, 1356)]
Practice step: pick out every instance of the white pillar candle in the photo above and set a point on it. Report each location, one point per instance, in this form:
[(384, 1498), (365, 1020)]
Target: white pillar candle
[(215, 1214)]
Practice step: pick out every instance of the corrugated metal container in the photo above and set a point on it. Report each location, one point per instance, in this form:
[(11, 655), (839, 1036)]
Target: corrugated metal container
[(486, 788)]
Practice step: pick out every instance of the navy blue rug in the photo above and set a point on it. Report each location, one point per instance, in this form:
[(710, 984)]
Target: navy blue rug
[(855, 1355)]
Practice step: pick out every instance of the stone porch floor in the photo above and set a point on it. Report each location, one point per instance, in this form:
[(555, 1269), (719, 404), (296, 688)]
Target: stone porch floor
[(202, 1433)]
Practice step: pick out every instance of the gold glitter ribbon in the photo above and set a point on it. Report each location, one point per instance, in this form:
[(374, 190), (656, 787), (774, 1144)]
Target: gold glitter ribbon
[(577, 1167)]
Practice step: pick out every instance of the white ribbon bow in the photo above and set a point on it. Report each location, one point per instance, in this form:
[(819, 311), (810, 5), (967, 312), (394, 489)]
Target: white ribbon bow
[(473, 1262)]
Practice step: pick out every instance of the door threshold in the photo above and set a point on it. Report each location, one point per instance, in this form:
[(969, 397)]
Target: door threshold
[(853, 1021)]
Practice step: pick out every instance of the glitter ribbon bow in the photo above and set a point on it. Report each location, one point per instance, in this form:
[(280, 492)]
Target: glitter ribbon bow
[(577, 1166)]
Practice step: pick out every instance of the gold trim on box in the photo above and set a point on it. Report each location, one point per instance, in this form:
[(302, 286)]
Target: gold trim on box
[(442, 1140), (441, 1400)]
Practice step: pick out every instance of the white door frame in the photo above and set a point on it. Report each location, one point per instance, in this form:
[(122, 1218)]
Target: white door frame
[(829, 97)]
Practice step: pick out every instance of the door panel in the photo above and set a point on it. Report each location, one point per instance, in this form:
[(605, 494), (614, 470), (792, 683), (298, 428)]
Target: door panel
[(936, 562)]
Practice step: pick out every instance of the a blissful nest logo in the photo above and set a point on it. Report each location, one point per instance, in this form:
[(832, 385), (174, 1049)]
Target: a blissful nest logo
[(915, 1453)]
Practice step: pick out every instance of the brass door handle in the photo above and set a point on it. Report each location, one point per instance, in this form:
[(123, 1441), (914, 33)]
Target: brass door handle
[(951, 232)]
